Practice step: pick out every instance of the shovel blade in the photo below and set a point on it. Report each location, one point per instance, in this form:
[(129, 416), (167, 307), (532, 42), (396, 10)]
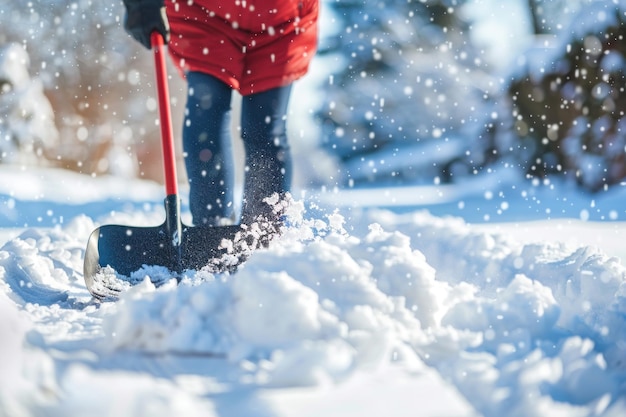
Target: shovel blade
[(126, 249), (202, 246)]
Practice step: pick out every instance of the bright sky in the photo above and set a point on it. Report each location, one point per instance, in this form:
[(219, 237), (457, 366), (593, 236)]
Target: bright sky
[(502, 27)]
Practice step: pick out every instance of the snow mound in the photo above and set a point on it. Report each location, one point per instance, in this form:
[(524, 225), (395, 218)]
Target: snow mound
[(40, 265), (322, 303), (314, 318), (519, 329)]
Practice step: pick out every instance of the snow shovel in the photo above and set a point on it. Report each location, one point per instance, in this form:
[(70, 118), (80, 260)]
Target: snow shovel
[(114, 252)]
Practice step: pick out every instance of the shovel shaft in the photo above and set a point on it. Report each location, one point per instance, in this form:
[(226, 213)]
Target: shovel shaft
[(165, 117)]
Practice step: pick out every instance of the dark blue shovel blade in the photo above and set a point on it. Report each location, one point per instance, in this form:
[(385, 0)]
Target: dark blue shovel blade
[(204, 246), (117, 250)]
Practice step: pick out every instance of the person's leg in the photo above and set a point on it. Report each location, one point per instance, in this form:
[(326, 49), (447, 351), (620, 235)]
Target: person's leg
[(208, 149), (268, 158)]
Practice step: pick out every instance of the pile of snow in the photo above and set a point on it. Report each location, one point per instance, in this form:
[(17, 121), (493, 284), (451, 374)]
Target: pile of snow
[(496, 326)]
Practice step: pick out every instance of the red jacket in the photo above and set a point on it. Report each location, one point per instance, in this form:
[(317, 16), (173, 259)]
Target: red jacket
[(252, 45)]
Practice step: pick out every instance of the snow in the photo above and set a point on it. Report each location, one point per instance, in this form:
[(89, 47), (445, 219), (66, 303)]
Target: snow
[(361, 308), (509, 20), (27, 124), (493, 296)]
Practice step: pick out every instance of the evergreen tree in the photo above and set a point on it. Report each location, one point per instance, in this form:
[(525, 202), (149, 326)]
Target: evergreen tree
[(97, 80), (569, 102), (405, 75)]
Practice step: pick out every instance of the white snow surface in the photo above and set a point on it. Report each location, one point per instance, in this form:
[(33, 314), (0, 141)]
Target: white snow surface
[(402, 307)]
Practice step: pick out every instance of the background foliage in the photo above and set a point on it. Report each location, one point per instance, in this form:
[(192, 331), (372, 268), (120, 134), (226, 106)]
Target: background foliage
[(407, 95)]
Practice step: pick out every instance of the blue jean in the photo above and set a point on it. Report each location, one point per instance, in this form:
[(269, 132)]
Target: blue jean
[(208, 150)]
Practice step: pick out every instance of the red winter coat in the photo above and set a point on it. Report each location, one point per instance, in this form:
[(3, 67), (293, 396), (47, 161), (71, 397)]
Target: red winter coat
[(252, 45)]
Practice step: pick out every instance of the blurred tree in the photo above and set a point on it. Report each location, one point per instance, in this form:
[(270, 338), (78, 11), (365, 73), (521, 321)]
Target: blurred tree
[(569, 101), (27, 130), (549, 16), (403, 75), (535, 16), (97, 80)]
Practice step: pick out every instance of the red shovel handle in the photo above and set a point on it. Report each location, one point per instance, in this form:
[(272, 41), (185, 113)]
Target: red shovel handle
[(165, 117)]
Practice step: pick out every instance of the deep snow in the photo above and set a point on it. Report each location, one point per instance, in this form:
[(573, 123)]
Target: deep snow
[(356, 310)]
